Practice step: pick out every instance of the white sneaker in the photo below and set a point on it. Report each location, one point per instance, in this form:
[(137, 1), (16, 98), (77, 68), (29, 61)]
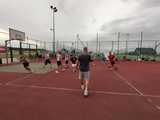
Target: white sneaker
[(57, 72), (85, 92), (82, 87)]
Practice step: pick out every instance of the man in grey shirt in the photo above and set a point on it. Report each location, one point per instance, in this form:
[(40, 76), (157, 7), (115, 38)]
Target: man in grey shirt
[(84, 66)]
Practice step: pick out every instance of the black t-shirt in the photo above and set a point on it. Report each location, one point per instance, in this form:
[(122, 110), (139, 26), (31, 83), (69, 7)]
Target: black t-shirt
[(73, 59), (84, 60)]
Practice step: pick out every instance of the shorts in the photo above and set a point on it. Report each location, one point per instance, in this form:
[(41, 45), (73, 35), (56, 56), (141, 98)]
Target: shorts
[(47, 61), (112, 63), (26, 64), (84, 75), (74, 65), (59, 63), (66, 61)]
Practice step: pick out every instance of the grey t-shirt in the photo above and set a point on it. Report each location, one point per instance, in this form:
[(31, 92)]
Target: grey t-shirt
[(84, 60)]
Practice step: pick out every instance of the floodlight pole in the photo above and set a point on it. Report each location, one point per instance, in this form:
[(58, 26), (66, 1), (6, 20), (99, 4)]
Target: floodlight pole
[(118, 43), (128, 35), (141, 45), (54, 10)]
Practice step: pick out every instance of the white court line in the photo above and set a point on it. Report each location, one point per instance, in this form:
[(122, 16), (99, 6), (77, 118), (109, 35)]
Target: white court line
[(18, 79), (74, 90), (152, 96), (128, 83), (158, 107), (79, 90), (138, 91)]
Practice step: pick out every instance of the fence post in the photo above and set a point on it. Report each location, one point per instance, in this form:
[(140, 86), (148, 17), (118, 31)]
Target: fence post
[(118, 43), (112, 45), (141, 45), (97, 43), (20, 48), (11, 52), (138, 54), (45, 47), (6, 42), (29, 49), (155, 48), (128, 35)]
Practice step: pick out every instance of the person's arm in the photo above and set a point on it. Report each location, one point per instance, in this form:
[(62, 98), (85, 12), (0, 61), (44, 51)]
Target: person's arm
[(78, 63)]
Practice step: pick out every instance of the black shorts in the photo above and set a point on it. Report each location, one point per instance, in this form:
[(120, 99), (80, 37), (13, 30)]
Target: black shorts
[(66, 61), (112, 63), (73, 62), (47, 61), (59, 63), (26, 64)]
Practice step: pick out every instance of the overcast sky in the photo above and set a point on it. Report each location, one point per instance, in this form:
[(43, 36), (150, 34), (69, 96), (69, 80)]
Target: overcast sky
[(79, 16)]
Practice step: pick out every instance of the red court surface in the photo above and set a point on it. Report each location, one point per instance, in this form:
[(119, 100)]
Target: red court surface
[(131, 93)]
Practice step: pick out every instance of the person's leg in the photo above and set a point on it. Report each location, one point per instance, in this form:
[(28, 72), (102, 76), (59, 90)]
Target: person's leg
[(58, 67), (26, 66), (45, 63), (109, 64), (81, 78), (49, 62), (115, 66), (73, 67), (61, 67), (66, 62), (86, 84), (86, 78)]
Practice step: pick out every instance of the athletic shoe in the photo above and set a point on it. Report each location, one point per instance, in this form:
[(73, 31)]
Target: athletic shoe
[(82, 87), (85, 93), (57, 71)]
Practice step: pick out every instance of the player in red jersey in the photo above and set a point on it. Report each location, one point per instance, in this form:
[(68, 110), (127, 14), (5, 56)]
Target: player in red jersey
[(112, 58)]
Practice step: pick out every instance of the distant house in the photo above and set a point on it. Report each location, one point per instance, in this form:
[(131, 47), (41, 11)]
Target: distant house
[(146, 51)]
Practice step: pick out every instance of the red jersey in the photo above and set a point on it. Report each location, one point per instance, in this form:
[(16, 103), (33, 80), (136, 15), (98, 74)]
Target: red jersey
[(111, 58)]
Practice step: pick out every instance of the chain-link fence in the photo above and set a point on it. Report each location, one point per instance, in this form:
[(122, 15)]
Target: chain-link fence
[(140, 45), (135, 45)]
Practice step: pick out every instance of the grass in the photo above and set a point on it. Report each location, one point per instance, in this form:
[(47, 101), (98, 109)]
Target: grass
[(37, 68)]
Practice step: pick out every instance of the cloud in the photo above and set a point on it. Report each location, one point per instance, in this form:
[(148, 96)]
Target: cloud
[(145, 3), (150, 3), (78, 16), (146, 20)]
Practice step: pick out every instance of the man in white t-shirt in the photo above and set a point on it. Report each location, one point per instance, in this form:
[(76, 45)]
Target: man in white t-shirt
[(47, 60), (59, 61)]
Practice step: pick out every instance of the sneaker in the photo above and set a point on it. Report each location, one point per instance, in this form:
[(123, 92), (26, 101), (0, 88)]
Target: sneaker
[(86, 93), (57, 71), (82, 87)]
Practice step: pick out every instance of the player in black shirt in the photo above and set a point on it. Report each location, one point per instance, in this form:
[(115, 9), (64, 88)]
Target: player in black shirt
[(84, 67)]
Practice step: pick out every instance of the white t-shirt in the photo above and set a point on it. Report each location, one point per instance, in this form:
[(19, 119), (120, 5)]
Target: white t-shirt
[(46, 56), (59, 57)]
